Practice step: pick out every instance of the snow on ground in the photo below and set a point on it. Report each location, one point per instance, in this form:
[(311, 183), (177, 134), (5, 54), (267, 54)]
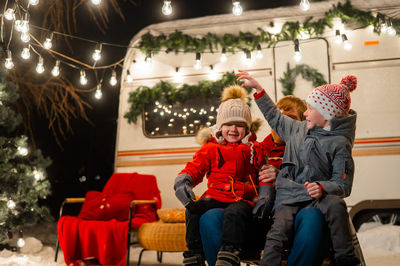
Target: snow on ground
[(380, 245)]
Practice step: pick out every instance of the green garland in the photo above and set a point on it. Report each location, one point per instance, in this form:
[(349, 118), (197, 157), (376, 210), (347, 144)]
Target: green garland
[(166, 92), (246, 41), (308, 73)]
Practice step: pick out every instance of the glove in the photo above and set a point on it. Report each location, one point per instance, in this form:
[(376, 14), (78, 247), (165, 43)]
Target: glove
[(183, 189), (263, 207)]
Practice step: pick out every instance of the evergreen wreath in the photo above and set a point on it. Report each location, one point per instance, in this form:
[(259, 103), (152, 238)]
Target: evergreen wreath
[(247, 41), (308, 73), (166, 92)]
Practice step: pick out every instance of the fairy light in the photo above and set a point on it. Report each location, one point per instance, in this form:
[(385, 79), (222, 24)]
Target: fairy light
[(11, 204), (247, 58), (212, 75), (48, 42), (237, 9), (37, 174), (10, 13), (98, 94), (40, 66), (97, 52), (113, 79), (33, 2), (167, 8), (129, 76), (96, 2), (197, 65), (25, 37), (22, 151), (26, 54), (9, 63), (82, 79), (18, 25), (389, 29), (25, 23), (297, 55), (338, 38), (223, 57), (259, 52), (148, 59), (304, 5), (56, 69), (178, 78), (346, 44)]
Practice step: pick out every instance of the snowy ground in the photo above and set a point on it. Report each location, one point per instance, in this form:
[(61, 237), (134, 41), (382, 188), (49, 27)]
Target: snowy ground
[(380, 245)]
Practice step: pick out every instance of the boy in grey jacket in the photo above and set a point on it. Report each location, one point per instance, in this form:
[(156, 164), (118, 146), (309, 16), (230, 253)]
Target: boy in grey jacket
[(317, 167)]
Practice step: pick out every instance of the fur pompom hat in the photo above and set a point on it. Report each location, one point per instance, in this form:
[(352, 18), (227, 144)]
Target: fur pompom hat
[(333, 100), (233, 107)]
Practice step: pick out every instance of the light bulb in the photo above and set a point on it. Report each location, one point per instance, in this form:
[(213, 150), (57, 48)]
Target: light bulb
[(223, 57), (197, 65), (56, 69), (113, 79), (11, 204), (346, 44), (247, 59), (20, 242), (33, 2), (82, 79), (237, 9), (47, 43), (391, 31), (9, 63), (18, 25), (212, 75), (304, 5), (178, 76), (338, 38), (9, 14), (259, 52), (25, 37), (37, 174), (98, 94), (25, 24), (167, 8), (129, 76), (96, 2), (26, 53), (97, 52), (40, 66), (297, 56)]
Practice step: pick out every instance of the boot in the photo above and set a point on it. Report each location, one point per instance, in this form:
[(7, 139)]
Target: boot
[(228, 256), (193, 258)]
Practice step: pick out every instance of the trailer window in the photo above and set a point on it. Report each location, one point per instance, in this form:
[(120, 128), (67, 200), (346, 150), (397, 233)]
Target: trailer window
[(180, 119)]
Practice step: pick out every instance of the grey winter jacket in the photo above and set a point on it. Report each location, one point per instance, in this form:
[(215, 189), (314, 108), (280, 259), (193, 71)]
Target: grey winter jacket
[(315, 155)]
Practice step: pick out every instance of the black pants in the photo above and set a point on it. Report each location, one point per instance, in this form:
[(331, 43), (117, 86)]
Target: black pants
[(336, 216), (237, 221)]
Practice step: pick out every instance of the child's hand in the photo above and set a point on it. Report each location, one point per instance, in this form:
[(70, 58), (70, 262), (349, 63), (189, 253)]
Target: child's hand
[(313, 190), (250, 81), (268, 173)]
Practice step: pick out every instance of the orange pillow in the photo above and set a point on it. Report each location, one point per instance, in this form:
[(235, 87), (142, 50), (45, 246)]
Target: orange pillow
[(98, 206), (171, 215)]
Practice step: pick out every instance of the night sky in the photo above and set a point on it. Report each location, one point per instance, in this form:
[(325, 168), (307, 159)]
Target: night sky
[(86, 160)]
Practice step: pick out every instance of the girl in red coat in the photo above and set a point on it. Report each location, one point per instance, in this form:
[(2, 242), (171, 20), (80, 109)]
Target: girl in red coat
[(230, 158)]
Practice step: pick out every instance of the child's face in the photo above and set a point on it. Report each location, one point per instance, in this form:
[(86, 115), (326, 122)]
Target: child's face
[(314, 118), (234, 131)]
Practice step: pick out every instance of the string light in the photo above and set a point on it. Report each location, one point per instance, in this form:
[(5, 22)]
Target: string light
[(167, 8), (9, 63), (56, 69), (346, 44), (223, 57), (40, 66), (297, 55), (20, 241), (47, 43), (10, 13), (390, 30), (197, 65), (96, 2), (212, 75), (98, 94), (18, 25), (147, 59), (113, 79), (129, 76), (259, 52), (37, 174), (97, 52), (22, 150), (338, 38), (247, 58), (82, 79), (25, 23), (237, 9), (25, 37), (33, 2), (11, 204), (26, 52), (304, 5), (178, 78)]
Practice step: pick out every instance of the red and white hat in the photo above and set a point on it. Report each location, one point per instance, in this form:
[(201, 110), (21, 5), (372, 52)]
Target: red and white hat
[(333, 100)]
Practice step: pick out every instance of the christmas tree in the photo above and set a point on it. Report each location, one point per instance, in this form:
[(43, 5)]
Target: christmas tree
[(23, 181)]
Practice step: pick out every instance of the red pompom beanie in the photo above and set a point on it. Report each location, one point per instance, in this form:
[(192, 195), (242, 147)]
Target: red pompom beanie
[(333, 100)]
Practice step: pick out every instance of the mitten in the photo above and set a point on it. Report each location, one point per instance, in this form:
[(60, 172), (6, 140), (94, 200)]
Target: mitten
[(263, 207), (183, 189)]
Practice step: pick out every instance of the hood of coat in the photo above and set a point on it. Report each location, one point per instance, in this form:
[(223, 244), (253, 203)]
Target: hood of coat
[(209, 134), (342, 126)]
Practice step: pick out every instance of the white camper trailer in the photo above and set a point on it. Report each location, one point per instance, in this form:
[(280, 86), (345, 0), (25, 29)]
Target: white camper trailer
[(374, 59)]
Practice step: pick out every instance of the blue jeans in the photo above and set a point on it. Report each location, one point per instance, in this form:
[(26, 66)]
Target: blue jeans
[(308, 244)]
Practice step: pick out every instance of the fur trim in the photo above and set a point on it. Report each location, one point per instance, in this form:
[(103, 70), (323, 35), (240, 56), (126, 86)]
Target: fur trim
[(204, 135), (234, 92), (255, 125)]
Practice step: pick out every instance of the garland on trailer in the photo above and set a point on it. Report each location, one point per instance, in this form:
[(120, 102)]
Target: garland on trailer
[(166, 92), (308, 73), (247, 41)]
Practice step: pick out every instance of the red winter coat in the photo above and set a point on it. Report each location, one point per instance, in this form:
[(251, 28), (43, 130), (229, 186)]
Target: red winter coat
[(230, 173), (274, 151)]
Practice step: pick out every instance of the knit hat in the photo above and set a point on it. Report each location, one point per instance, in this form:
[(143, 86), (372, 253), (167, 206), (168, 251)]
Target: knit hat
[(333, 100), (233, 107)]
